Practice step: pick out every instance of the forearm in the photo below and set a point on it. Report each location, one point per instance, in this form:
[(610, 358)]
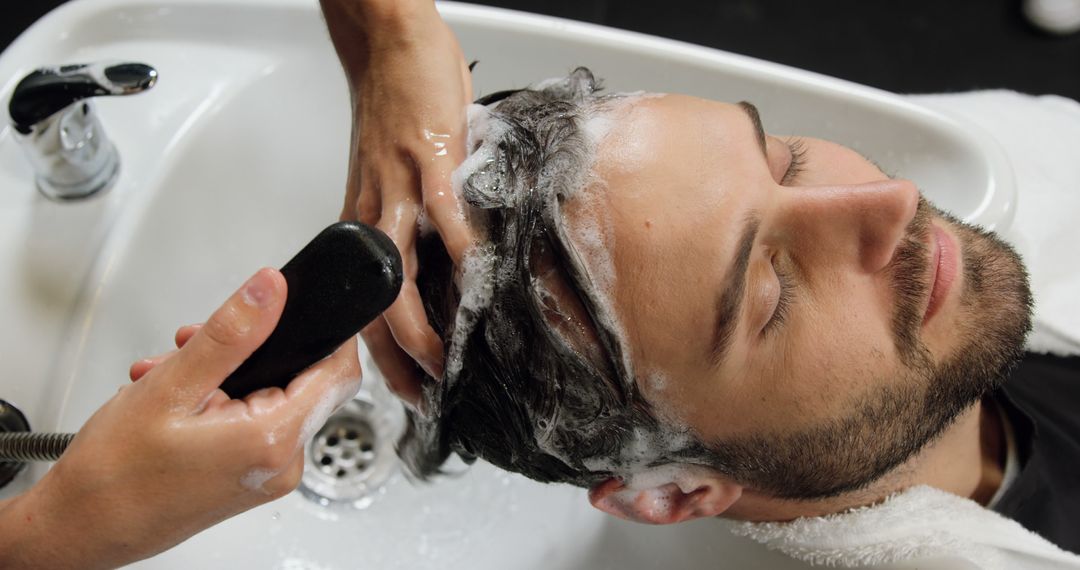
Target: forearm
[(359, 26), (378, 11)]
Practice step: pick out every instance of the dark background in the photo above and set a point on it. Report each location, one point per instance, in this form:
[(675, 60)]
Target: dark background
[(909, 46)]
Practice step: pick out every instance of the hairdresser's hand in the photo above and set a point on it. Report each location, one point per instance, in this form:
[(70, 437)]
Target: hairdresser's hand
[(410, 87), (171, 454)]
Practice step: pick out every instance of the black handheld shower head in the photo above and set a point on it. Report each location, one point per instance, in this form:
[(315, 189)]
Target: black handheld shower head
[(348, 275)]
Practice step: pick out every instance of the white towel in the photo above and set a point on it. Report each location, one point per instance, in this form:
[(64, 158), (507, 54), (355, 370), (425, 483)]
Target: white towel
[(924, 527), (919, 528)]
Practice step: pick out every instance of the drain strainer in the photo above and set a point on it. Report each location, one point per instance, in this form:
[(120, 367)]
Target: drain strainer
[(351, 456)]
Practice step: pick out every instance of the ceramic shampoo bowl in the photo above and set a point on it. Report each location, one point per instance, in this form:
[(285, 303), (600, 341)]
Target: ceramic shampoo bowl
[(238, 157)]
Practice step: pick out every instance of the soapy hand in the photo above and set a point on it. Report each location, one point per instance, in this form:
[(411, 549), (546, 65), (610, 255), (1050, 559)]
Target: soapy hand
[(410, 87), (171, 454)]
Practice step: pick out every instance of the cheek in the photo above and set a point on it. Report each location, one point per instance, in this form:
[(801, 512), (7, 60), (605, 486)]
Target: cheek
[(832, 355)]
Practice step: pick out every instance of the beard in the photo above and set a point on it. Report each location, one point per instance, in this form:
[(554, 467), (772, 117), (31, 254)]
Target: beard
[(897, 418)]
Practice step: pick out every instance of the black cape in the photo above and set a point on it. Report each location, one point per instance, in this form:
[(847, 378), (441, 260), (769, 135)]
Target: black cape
[(1042, 400)]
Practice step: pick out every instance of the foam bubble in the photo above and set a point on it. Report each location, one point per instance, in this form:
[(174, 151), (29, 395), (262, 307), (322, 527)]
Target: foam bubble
[(686, 477), (597, 126), (484, 131), (477, 290), (641, 450), (649, 504), (655, 383), (590, 234), (329, 403), (255, 479)]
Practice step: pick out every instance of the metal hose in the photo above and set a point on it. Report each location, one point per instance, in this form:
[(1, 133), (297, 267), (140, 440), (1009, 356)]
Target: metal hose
[(25, 446)]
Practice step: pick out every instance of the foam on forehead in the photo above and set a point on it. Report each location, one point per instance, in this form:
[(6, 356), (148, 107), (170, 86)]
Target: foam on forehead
[(590, 228)]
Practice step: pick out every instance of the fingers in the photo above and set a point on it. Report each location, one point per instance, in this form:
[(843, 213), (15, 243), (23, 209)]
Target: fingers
[(443, 207), (141, 367), (231, 334), (286, 481), (397, 367), (408, 324), (405, 317), (184, 334), (216, 400), (322, 389)]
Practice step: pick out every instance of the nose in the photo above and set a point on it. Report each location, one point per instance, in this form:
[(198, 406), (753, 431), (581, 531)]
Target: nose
[(858, 223)]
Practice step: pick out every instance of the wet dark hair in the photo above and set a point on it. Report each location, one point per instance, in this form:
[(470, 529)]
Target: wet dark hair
[(525, 399)]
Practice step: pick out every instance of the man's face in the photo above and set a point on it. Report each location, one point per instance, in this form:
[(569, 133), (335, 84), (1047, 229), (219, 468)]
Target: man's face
[(819, 313)]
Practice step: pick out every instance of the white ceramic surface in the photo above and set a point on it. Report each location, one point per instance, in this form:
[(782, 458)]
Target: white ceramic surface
[(237, 157)]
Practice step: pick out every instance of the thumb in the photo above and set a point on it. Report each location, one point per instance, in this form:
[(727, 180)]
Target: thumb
[(228, 338)]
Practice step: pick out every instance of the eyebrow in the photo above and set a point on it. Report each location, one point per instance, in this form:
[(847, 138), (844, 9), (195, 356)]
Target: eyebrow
[(755, 118), (730, 301)]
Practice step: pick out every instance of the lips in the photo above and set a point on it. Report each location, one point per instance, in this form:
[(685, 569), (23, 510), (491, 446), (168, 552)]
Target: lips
[(943, 259)]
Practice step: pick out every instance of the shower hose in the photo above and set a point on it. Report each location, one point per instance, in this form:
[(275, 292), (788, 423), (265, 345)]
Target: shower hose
[(22, 446)]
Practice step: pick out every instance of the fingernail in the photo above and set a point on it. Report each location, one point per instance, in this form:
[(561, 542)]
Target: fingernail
[(430, 370), (258, 291)]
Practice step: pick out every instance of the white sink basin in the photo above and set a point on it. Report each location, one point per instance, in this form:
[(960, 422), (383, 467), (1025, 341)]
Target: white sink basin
[(238, 157)]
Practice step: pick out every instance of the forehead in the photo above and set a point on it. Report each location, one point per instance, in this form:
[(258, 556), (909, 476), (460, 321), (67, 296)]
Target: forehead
[(672, 177)]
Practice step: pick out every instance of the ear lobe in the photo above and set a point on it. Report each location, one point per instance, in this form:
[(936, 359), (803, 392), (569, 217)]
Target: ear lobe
[(666, 503)]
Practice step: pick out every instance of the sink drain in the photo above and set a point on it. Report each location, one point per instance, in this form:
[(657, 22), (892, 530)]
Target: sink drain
[(351, 456)]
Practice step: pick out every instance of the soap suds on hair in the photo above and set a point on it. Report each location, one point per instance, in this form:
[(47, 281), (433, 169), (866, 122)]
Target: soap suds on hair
[(566, 180), (484, 133), (529, 178), (476, 285), (590, 228)]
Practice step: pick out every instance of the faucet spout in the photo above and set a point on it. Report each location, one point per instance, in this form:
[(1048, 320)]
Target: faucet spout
[(49, 90), (59, 129)]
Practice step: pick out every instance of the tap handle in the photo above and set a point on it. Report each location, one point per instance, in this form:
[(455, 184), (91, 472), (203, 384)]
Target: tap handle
[(49, 90)]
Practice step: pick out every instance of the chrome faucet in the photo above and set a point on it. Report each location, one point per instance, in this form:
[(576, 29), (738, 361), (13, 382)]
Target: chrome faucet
[(57, 126)]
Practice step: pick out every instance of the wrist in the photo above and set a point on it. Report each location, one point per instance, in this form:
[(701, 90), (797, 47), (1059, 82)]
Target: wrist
[(378, 21), (25, 540), (395, 13), (360, 28), (37, 532)]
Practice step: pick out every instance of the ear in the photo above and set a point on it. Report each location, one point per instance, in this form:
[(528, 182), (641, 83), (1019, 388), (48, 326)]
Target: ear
[(699, 493)]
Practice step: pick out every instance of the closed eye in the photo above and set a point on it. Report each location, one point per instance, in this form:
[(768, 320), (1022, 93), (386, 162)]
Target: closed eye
[(798, 160), (783, 301)]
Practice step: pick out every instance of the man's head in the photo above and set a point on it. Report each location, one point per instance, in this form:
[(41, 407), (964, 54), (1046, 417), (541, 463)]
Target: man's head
[(663, 285)]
